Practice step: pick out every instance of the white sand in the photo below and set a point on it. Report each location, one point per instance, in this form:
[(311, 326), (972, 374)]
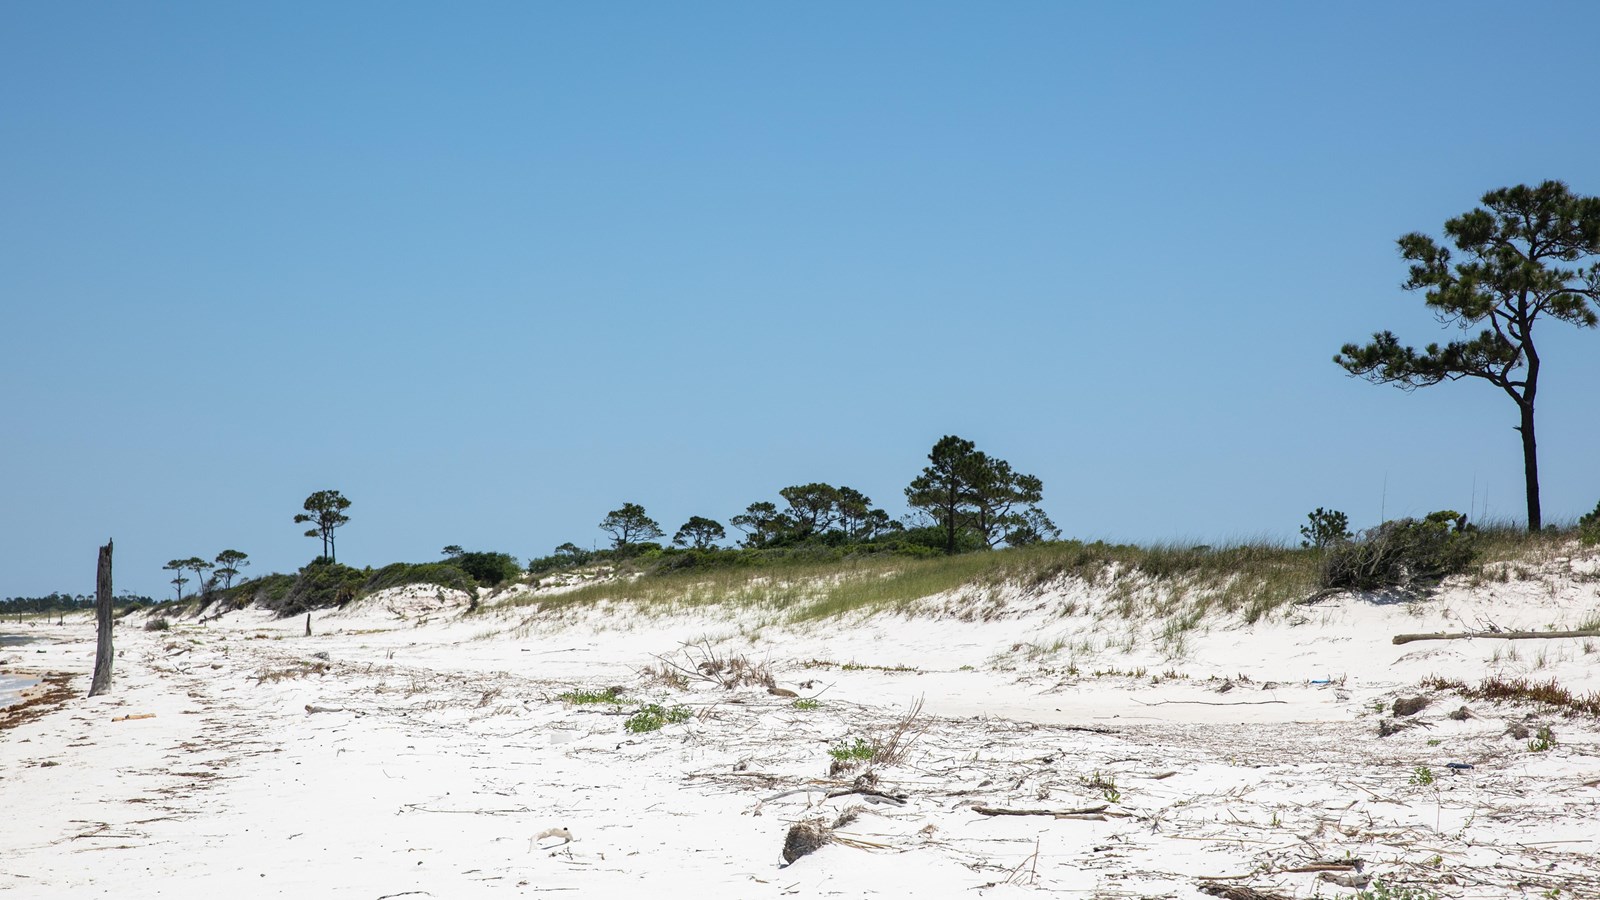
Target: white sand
[(440, 751)]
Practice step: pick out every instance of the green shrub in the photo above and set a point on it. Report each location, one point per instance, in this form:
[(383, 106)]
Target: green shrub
[(1402, 553), (443, 574), (1589, 526), (320, 585), (487, 569), (160, 624), (651, 717)]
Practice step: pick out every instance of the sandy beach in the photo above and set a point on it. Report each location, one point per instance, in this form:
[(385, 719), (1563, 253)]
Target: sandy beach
[(409, 747)]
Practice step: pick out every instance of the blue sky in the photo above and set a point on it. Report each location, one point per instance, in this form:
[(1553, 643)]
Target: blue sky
[(492, 270)]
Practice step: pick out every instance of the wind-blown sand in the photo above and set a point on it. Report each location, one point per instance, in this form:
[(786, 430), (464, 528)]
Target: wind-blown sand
[(425, 753)]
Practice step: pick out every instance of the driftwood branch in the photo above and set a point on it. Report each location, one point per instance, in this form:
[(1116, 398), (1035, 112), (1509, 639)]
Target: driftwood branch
[(1094, 813), (1502, 635), (1238, 892)]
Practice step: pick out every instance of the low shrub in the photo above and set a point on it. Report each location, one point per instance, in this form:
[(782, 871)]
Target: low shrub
[(487, 568), (443, 574), (320, 585), (158, 624), (651, 717), (1402, 554), (1589, 526)]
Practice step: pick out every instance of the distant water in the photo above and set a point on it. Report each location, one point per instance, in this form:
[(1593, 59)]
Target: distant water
[(14, 640), (12, 686)]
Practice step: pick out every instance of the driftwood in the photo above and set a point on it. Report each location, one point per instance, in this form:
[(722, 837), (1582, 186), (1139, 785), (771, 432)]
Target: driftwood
[(1238, 892), (133, 716), (1089, 813), (103, 654), (1503, 635)]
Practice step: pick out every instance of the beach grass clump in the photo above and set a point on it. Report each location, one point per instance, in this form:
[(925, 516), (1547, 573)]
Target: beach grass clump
[(653, 717)]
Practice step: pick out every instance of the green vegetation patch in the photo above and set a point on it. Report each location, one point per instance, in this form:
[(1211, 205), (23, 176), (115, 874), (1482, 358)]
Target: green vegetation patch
[(858, 751), (611, 695), (652, 717)]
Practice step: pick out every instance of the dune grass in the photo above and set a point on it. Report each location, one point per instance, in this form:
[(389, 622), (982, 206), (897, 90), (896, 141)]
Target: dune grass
[(1253, 578), (1179, 585)]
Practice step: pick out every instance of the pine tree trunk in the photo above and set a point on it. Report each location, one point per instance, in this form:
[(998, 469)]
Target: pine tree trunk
[(102, 606), (1530, 466)]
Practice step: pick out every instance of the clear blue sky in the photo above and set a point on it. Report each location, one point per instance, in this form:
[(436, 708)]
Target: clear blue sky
[(493, 269)]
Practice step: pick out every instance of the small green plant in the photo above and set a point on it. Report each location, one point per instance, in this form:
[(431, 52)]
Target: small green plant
[(1106, 785), (860, 750), (580, 698), (1434, 742), (1543, 740), (157, 625), (807, 703), (651, 717), (1422, 775), (1552, 894)]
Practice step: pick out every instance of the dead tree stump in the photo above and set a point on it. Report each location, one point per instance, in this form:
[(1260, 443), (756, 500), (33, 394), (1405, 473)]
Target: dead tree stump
[(102, 609)]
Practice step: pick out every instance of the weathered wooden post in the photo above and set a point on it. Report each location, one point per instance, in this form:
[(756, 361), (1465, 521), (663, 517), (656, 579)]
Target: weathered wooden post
[(102, 608), (308, 624)]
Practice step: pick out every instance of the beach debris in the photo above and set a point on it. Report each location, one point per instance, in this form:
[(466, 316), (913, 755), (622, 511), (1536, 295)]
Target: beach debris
[(1504, 635), (1409, 706), (1086, 813), (555, 832), (1238, 892), (1458, 767), (1461, 715), (1356, 879), (312, 709), (131, 716), (322, 655), (805, 838), (1389, 727)]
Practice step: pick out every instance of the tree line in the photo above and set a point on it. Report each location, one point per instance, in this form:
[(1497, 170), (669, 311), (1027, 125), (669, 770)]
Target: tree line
[(964, 499)]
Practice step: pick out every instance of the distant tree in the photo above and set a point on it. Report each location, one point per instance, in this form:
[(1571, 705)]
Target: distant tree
[(1030, 527), (942, 489), (199, 567), (1324, 528), (762, 524), (629, 525), (851, 511), (877, 522), (176, 566), (229, 562), (325, 511), (1001, 500), (812, 507), (572, 550), (699, 533), (452, 550), (965, 490), (1513, 274)]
